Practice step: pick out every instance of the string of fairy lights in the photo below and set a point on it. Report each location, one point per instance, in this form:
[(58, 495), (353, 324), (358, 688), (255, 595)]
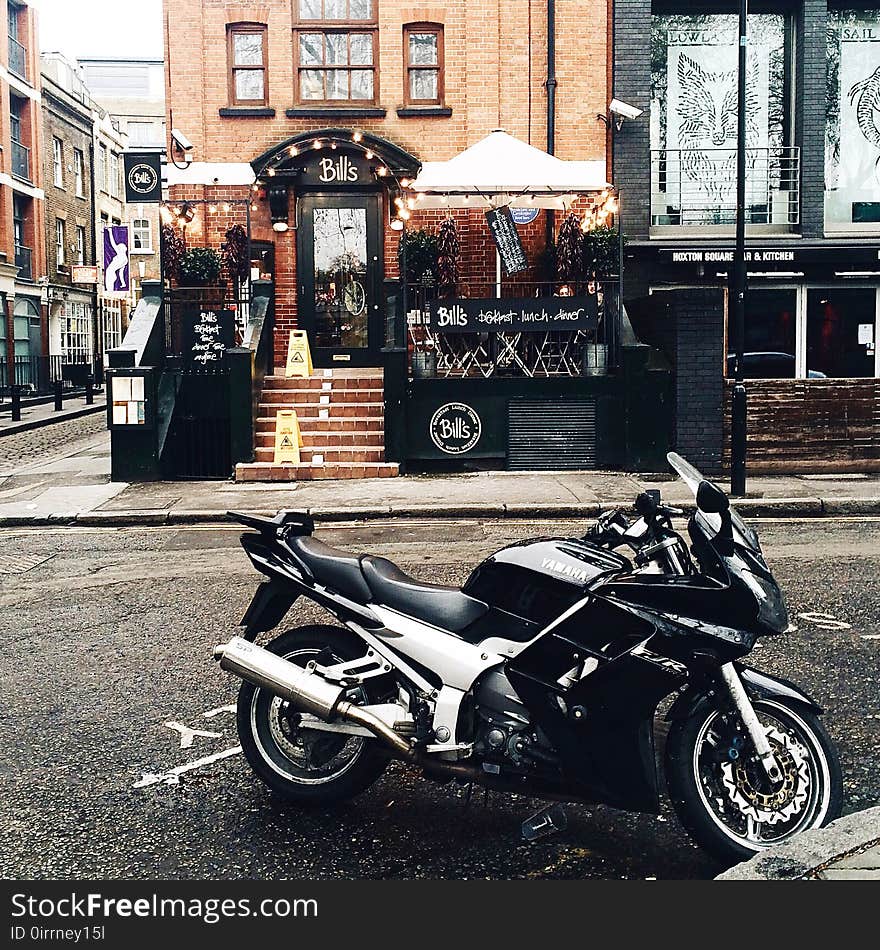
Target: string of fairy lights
[(600, 211)]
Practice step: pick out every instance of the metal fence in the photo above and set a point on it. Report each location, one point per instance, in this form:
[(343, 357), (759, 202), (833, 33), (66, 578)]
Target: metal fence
[(37, 375), (509, 354), (697, 186), (184, 303)]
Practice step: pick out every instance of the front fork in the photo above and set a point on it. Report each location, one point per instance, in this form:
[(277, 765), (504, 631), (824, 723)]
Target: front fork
[(750, 720)]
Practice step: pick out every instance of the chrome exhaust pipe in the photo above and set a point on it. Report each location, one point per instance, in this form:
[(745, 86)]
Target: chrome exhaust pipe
[(307, 691)]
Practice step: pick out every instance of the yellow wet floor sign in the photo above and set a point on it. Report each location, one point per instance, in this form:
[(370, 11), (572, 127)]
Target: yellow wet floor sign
[(288, 439), (299, 357)]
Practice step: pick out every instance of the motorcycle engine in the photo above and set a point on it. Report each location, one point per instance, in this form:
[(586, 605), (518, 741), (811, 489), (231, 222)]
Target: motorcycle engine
[(502, 727)]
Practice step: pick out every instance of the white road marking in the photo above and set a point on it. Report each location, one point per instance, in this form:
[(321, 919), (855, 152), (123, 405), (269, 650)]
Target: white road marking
[(870, 636), (211, 713), (187, 735), (825, 621), (173, 777)]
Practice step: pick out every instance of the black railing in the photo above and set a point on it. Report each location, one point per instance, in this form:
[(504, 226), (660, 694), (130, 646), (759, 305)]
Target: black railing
[(37, 375), (17, 58), (24, 262), (448, 354), (21, 160), (183, 304)]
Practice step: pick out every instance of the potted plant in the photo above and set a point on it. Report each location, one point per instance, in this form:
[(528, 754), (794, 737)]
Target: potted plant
[(199, 267), (417, 256)]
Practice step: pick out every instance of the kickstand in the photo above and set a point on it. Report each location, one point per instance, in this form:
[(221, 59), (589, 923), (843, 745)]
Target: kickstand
[(546, 822), (467, 797)]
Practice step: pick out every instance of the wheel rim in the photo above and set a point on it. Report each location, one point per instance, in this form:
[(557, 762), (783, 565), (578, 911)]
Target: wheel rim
[(737, 795), (299, 755)]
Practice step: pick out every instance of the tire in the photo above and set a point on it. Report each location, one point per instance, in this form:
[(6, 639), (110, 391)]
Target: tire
[(725, 818), (270, 742)]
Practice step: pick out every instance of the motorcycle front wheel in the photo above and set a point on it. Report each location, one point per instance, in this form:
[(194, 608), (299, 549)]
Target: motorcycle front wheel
[(722, 795), (302, 765)]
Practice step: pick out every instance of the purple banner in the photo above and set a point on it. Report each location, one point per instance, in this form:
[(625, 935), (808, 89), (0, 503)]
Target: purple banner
[(117, 266)]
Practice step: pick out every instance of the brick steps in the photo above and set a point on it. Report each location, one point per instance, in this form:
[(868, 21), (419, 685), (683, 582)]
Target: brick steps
[(269, 472), (341, 419)]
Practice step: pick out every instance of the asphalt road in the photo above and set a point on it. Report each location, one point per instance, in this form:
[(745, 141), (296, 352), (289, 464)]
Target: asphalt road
[(105, 637)]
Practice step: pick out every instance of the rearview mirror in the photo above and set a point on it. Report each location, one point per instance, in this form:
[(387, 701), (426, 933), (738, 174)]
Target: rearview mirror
[(711, 499)]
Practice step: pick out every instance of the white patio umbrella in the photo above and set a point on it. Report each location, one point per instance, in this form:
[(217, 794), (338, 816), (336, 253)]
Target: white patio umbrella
[(501, 170)]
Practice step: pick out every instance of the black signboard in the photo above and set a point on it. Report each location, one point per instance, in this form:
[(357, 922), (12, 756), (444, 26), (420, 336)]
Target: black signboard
[(506, 236), (207, 336), (529, 314), (775, 257), (143, 178), (336, 168)]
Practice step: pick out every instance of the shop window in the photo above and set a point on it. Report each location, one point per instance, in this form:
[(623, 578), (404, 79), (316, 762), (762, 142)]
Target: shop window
[(694, 121), (336, 63), (248, 59), (770, 345), (852, 127), (76, 333), (423, 54), (841, 324)]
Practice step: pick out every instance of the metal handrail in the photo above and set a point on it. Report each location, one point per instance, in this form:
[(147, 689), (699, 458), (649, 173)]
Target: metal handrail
[(696, 186)]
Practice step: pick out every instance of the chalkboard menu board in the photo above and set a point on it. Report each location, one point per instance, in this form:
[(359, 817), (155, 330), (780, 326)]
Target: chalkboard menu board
[(503, 228), (528, 315), (207, 336)]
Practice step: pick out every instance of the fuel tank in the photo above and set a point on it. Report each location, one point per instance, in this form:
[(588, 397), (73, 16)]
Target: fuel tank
[(538, 580)]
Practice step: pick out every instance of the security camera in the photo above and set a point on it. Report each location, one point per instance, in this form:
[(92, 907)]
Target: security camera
[(181, 141), (623, 109)]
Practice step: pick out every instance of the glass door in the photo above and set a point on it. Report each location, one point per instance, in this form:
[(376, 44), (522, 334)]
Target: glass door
[(340, 273)]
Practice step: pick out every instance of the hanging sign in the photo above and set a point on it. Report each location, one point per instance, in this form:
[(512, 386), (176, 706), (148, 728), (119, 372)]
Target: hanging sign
[(506, 237), (299, 356), (527, 315), (288, 439), (83, 274), (143, 177), (207, 336), (117, 261)]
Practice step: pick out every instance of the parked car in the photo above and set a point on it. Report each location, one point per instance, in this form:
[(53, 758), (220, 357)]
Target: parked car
[(769, 366)]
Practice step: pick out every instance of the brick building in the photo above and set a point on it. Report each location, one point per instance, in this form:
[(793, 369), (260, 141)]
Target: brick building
[(23, 338), (333, 103), (812, 220), (70, 233)]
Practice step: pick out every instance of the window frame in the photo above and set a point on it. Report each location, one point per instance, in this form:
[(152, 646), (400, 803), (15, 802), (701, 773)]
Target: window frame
[(346, 26), (80, 245), (79, 172), (57, 161), (134, 232), (438, 30), (60, 238), (233, 29)]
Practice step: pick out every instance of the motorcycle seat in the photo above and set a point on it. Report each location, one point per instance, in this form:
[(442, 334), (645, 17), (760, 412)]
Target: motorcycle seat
[(444, 607), (339, 570)]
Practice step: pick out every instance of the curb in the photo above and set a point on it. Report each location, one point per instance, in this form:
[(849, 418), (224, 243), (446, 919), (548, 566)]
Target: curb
[(811, 851), (749, 508), (63, 416)]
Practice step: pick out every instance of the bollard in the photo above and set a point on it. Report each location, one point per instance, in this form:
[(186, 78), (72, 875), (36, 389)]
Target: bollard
[(59, 395), (16, 404), (90, 394)]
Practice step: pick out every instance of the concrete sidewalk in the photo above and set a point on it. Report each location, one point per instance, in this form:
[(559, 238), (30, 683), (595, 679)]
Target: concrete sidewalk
[(75, 487), (847, 850)]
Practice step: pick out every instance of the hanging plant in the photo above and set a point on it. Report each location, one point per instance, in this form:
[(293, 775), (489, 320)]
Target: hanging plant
[(448, 254), (235, 253), (173, 249), (418, 250), (199, 266), (568, 249)]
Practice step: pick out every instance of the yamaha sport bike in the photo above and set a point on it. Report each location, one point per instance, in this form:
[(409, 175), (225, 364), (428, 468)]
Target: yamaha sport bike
[(543, 675)]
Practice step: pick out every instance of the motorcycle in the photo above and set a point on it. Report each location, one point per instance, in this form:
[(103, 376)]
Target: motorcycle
[(543, 674)]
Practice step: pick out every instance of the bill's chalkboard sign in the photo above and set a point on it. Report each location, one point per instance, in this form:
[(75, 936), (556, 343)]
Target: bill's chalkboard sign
[(529, 315), (503, 228), (207, 336)]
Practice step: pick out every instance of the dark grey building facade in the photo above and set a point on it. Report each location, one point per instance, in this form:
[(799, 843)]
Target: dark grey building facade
[(812, 213)]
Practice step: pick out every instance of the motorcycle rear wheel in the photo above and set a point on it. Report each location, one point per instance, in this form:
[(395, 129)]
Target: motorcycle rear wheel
[(724, 799), (301, 765)]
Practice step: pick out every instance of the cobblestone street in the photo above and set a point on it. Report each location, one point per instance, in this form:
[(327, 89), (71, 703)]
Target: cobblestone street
[(62, 437)]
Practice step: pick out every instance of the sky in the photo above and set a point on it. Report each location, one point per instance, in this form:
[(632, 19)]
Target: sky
[(124, 28)]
